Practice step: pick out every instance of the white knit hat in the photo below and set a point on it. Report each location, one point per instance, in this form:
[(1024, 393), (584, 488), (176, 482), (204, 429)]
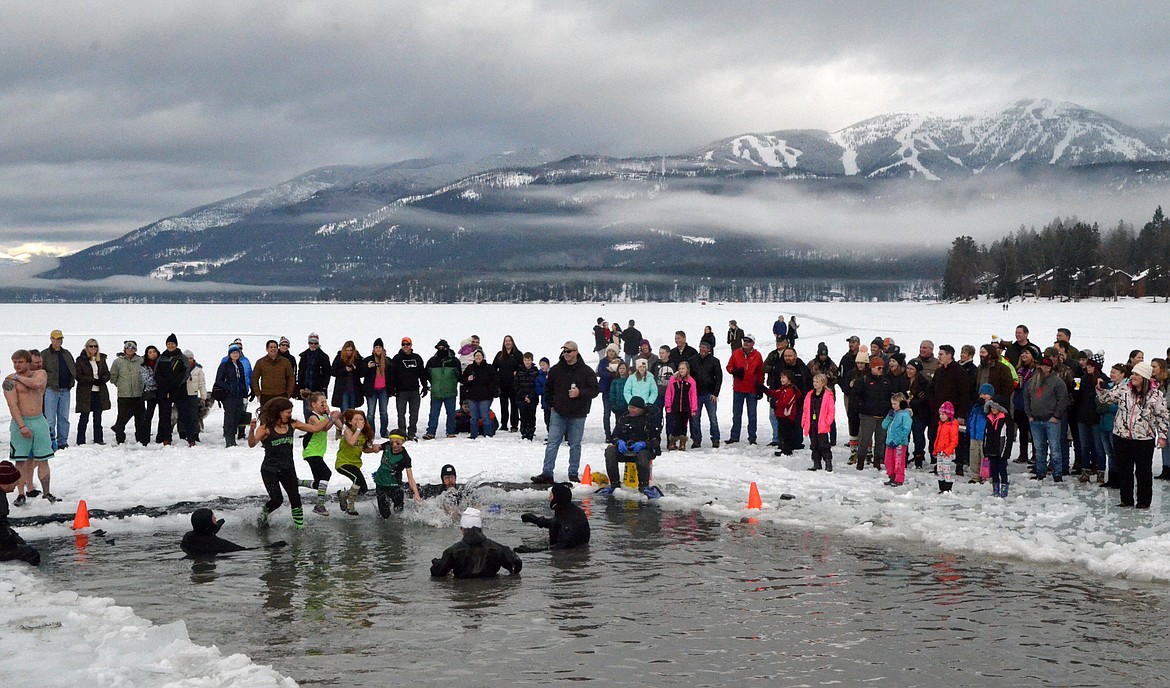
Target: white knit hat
[(1144, 369), (471, 519)]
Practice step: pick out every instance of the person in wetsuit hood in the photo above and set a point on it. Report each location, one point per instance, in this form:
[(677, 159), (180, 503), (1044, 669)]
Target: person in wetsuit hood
[(475, 556), (569, 527), (12, 546), (202, 539)]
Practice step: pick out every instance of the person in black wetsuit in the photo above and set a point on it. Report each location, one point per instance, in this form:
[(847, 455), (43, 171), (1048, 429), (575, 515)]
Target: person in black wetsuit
[(447, 484), (475, 556), (568, 528), (12, 546), (202, 539)]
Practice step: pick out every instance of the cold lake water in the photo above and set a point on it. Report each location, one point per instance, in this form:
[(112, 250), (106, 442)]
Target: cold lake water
[(660, 597)]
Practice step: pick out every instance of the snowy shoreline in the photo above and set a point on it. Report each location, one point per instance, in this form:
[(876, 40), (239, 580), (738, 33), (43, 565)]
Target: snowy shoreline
[(1069, 525)]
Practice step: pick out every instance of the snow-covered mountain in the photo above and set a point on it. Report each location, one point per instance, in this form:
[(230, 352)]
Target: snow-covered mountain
[(1026, 132), (541, 215)]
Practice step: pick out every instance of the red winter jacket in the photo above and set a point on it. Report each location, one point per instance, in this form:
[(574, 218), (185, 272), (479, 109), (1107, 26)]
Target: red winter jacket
[(784, 401), (753, 371)]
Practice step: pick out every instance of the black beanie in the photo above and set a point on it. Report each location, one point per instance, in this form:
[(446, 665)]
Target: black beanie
[(173, 338), (443, 343), (378, 342), (562, 494), (446, 471)]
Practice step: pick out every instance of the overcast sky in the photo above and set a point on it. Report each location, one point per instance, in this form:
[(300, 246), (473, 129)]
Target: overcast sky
[(115, 114)]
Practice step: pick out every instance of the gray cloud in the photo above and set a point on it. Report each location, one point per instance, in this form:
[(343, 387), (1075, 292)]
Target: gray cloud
[(115, 115)]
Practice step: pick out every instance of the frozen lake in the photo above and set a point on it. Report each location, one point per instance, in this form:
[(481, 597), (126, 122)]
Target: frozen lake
[(1041, 534)]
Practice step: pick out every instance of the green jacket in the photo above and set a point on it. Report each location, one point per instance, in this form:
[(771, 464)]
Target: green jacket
[(126, 374), (443, 373)]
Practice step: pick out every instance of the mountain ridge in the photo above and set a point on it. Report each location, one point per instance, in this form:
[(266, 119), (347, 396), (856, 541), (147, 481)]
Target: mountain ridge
[(521, 211)]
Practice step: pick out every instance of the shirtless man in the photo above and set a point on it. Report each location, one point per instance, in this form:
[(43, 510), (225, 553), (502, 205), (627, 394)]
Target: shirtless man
[(24, 390)]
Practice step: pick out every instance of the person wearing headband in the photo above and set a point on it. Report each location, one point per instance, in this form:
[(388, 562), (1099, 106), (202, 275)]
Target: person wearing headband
[(388, 477)]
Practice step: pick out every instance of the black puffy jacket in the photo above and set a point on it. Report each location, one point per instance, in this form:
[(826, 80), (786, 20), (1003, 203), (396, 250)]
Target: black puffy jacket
[(871, 395), (479, 382)]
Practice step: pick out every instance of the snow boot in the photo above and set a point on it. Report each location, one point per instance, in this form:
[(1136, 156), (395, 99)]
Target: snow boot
[(351, 501), (1003, 491), (828, 465)]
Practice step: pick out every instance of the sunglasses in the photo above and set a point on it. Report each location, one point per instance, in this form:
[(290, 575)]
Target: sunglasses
[(91, 346)]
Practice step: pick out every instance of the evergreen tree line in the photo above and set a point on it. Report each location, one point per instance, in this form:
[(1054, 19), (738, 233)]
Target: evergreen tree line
[(1067, 258)]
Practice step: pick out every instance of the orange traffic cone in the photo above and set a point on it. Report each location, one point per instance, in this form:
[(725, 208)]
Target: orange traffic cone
[(81, 520), (754, 501), (587, 476)]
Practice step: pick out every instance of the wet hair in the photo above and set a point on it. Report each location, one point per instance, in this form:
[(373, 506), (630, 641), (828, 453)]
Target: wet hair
[(22, 355), (270, 412)]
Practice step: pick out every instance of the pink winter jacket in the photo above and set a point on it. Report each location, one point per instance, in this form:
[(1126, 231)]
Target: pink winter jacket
[(828, 413), (692, 395)]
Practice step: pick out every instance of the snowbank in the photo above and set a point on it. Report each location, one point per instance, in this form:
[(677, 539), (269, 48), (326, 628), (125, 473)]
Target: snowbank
[(62, 639)]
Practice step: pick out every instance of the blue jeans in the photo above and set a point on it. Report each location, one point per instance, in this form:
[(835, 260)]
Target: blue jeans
[(1045, 437), (557, 426), (349, 400), (433, 422), (57, 413), (708, 404), (918, 432), (481, 411), (738, 399), (1093, 446), (1165, 456), (607, 409), (380, 401), (1107, 451), (775, 426)]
